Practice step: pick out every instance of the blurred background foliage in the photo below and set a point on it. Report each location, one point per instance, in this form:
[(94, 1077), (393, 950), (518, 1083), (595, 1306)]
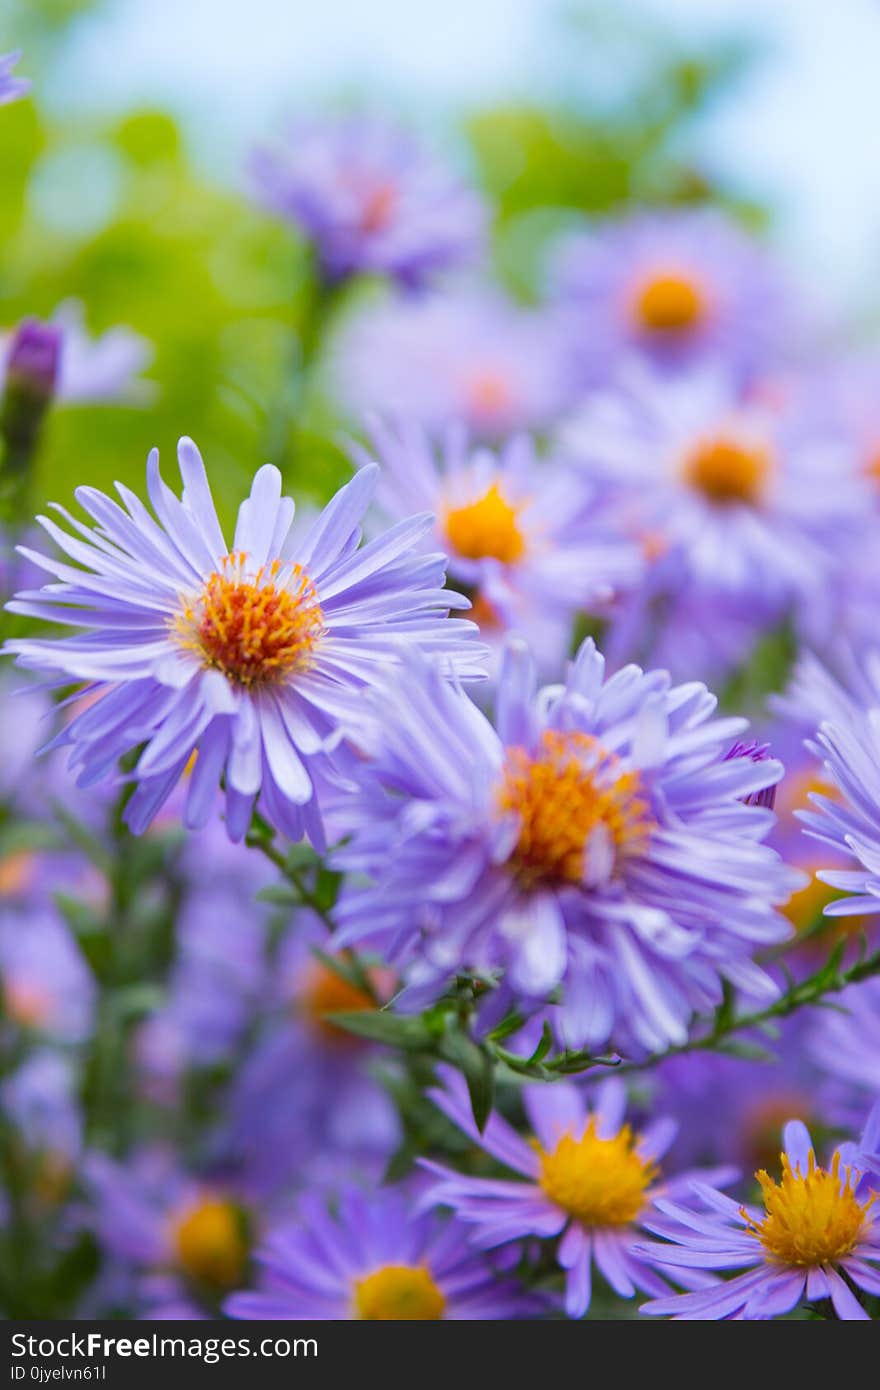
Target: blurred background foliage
[(115, 213)]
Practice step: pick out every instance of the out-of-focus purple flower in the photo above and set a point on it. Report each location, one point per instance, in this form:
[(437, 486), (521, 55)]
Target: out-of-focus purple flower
[(751, 499), (40, 1100), (217, 982), (11, 87), (678, 286), (47, 986), (816, 1237), (156, 1220), (304, 1108), (371, 199), (731, 1109), (598, 843), (526, 536), (467, 356), (845, 1044), (86, 370), (377, 1259), (589, 1181), (255, 656)]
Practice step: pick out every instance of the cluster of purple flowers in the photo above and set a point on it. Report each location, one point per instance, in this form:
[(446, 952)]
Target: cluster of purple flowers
[(483, 712)]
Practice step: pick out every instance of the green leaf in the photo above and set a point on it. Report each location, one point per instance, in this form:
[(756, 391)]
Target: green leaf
[(411, 1034), (478, 1068)]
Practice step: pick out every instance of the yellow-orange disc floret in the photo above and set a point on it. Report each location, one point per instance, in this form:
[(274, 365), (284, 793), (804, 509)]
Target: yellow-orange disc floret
[(727, 471), (256, 629), (600, 1182), (569, 791), (209, 1243), (399, 1293), (487, 529), (812, 1218), (327, 992), (669, 303)]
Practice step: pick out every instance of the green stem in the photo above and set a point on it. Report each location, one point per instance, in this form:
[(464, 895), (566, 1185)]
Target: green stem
[(828, 980)]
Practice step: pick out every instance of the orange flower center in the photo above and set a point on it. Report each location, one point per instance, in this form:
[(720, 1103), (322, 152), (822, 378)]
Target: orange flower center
[(377, 209), (669, 303), (255, 630), (726, 471), (487, 529), (328, 992), (576, 806)]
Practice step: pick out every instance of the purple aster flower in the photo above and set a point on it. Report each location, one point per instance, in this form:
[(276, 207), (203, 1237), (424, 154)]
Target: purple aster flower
[(172, 1229), (588, 1180), (11, 88), (817, 1237), (597, 843), (848, 821), (470, 356), (45, 983), (752, 498), (255, 656), (525, 536), (376, 1259), (677, 286), (845, 1044), (372, 200), (40, 1100), (305, 1109), (89, 370), (758, 753)]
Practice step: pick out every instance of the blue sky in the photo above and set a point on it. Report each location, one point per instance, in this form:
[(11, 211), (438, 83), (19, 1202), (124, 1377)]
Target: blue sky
[(805, 127)]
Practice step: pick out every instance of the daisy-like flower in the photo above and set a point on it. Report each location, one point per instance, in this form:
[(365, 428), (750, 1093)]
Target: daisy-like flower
[(589, 1180), (376, 1259), (89, 370), (467, 355), (749, 497), (526, 537), (160, 1222), (848, 821), (676, 286), (372, 200), (598, 843), (253, 657), (817, 1237), (11, 87)]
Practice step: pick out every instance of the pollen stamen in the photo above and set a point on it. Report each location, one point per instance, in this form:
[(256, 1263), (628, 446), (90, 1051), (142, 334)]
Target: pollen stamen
[(600, 1182), (572, 797), (255, 629), (811, 1218)]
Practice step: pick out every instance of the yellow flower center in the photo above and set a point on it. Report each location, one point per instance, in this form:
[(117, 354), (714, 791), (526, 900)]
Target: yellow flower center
[(727, 471), (811, 1219), (210, 1244), (487, 529), (669, 303), (254, 630), (571, 798), (399, 1293), (327, 992), (600, 1182)]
